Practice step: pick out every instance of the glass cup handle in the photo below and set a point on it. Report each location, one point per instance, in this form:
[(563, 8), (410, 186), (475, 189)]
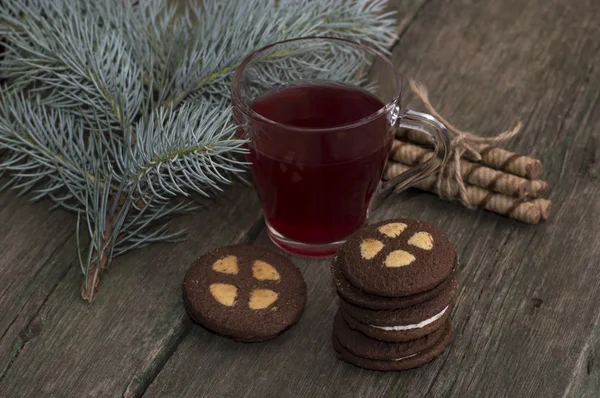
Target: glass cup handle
[(441, 140)]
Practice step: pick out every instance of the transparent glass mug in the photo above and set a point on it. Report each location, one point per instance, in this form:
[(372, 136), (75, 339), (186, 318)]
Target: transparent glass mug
[(319, 115)]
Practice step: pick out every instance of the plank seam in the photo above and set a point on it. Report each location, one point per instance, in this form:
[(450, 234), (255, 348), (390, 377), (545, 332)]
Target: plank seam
[(404, 27), (48, 259), (36, 313), (579, 365), (170, 347), (184, 328), (8, 328)]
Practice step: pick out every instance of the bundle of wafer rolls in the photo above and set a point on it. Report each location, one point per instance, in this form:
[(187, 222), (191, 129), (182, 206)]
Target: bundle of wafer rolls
[(501, 181)]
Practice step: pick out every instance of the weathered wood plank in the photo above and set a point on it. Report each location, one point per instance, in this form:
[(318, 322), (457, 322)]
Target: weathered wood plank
[(528, 312), (115, 345), (531, 335), (33, 250)]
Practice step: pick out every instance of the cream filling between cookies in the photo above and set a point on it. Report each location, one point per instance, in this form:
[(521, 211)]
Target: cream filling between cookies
[(414, 326), (403, 358)]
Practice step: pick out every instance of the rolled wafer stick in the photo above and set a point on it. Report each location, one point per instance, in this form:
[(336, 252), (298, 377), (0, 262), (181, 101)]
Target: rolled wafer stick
[(473, 173), (545, 207), (493, 157), (529, 212), (536, 188), (511, 162)]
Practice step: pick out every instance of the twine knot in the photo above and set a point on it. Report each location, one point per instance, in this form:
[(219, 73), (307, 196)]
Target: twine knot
[(461, 142)]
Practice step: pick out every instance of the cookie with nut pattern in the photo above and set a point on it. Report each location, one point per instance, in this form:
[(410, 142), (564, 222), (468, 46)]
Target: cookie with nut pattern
[(244, 292), (398, 258), (354, 295)]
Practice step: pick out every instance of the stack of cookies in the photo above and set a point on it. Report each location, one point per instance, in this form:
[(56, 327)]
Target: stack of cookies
[(396, 284)]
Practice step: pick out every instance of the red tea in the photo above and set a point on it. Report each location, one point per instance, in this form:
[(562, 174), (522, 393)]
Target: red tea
[(315, 168)]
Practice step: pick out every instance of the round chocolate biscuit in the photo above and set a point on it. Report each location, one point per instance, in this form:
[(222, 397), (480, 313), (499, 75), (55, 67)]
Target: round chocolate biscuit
[(402, 363), (403, 316), (398, 333), (366, 347), (354, 295), (244, 292), (397, 258)]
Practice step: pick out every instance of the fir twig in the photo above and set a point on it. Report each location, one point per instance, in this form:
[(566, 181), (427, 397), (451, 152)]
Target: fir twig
[(119, 110)]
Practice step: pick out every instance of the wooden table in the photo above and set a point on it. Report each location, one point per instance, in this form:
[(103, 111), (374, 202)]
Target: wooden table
[(526, 323)]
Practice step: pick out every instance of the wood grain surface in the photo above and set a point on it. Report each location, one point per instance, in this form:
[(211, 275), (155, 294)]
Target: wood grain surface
[(527, 319), (35, 253), (114, 346)]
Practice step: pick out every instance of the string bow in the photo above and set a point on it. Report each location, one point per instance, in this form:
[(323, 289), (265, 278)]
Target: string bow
[(461, 142)]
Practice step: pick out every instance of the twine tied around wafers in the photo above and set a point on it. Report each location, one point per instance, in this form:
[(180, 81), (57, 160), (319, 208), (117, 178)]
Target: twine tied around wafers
[(462, 143)]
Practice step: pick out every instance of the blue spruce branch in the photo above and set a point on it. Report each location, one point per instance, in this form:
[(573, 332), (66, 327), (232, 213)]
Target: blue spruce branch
[(119, 110)]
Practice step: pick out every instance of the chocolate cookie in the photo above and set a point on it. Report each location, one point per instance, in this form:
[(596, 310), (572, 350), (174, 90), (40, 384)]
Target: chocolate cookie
[(403, 316), (245, 292), (399, 333), (397, 258), (366, 347), (353, 295), (402, 363)]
